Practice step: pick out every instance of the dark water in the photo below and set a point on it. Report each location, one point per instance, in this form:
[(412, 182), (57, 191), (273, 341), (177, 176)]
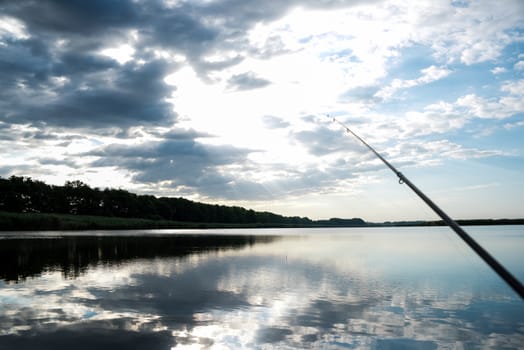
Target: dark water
[(387, 288)]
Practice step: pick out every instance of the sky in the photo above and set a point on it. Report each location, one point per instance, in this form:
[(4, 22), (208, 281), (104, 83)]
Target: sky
[(226, 102)]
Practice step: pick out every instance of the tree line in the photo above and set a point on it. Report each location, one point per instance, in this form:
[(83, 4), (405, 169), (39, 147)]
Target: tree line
[(24, 195)]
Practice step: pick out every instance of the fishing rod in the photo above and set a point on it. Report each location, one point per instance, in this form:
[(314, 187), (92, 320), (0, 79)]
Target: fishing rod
[(490, 260)]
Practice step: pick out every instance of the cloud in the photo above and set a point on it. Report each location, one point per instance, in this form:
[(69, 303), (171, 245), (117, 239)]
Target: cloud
[(177, 159), (182, 134), (65, 42), (473, 33), (17, 169), (75, 18), (479, 107), (247, 81), (449, 150), (217, 29), (423, 153), (361, 94), (444, 117), (429, 74), (213, 171), (514, 88), (12, 27), (135, 96), (519, 65), (275, 122), (54, 161), (436, 118), (79, 89), (323, 141), (510, 126), (513, 103), (498, 70), (54, 73)]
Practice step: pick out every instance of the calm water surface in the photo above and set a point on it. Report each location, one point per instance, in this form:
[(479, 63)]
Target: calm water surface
[(370, 288)]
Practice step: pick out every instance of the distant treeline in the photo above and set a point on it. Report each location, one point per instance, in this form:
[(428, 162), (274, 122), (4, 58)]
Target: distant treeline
[(25, 195), (467, 222), (27, 204)]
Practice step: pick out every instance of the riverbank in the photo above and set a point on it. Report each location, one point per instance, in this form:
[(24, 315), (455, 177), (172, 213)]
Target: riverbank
[(44, 221), (49, 221)]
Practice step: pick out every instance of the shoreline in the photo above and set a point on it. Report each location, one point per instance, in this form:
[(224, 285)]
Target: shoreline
[(10, 221)]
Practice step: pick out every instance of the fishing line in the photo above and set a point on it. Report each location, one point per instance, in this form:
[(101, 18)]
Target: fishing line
[(477, 248)]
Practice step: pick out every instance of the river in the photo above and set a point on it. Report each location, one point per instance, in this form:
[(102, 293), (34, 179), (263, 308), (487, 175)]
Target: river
[(332, 288)]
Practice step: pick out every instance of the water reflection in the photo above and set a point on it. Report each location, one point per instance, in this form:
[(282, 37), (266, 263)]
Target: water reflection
[(30, 256), (333, 289)]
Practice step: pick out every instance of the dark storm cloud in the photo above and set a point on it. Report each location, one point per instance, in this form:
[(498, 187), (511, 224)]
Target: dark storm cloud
[(240, 14), (235, 18), (58, 78), (195, 166), (6, 132), (181, 160), (247, 81), (8, 170), (87, 91), (126, 96), (181, 28), (55, 79), (77, 64), (64, 39), (73, 16), (174, 149), (181, 134), (53, 161), (22, 72)]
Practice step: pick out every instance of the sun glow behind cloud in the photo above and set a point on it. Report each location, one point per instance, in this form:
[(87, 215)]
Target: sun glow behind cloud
[(122, 53)]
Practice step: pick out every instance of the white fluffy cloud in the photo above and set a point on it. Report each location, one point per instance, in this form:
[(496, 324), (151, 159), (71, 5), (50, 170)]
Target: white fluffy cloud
[(498, 70), (497, 108), (429, 74), (519, 65)]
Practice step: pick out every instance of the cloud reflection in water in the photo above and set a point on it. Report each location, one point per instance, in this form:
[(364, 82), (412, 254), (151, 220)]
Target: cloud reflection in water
[(329, 289)]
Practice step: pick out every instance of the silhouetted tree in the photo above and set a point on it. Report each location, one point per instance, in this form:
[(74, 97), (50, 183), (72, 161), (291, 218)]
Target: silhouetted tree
[(24, 195)]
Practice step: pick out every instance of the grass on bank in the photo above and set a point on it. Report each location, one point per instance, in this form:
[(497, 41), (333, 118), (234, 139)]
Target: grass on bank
[(47, 221), (10, 221)]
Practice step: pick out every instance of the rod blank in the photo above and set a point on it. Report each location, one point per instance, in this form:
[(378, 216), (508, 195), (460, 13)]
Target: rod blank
[(477, 248)]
